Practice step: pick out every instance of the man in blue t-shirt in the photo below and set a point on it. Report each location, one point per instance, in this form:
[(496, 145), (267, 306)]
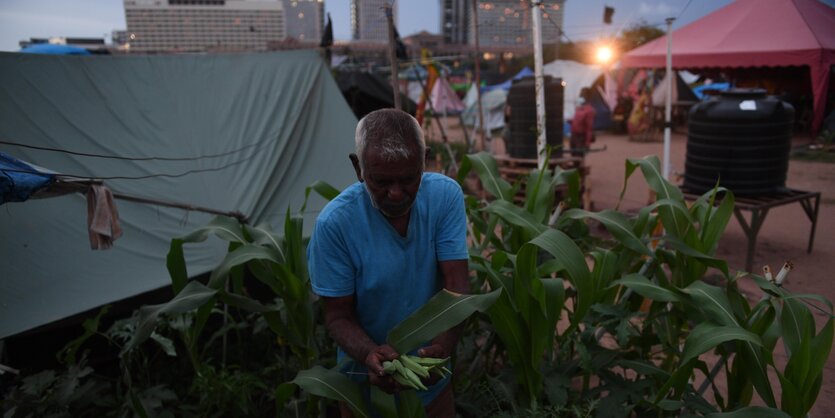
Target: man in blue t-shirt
[(386, 245)]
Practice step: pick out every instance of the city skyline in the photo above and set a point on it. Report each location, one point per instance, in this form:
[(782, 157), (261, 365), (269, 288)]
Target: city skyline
[(24, 19)]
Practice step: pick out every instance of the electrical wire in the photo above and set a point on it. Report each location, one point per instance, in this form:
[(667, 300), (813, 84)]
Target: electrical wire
[(684, 9)]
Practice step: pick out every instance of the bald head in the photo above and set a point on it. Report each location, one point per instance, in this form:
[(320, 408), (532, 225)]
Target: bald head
[(393, 134)]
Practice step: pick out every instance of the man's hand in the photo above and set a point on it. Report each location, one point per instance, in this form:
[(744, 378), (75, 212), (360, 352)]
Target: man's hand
[(376, 375)]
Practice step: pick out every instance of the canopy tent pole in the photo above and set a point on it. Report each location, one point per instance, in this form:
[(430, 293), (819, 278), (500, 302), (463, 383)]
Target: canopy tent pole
[(668, 103), (395, 83), (428, 96), (482, 142), (540, 91)]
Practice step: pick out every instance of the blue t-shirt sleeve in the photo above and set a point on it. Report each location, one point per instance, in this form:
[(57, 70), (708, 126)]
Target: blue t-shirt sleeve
[(451, 243), (329, 264)]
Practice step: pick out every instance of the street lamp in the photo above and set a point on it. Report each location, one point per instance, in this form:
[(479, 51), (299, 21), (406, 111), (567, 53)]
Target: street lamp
[(604, 54)]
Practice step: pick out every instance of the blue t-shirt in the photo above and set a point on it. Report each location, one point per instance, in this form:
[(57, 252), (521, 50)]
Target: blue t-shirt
[(354, 250)]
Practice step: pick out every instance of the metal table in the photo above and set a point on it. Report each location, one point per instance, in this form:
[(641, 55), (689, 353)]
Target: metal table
[(759, 207)]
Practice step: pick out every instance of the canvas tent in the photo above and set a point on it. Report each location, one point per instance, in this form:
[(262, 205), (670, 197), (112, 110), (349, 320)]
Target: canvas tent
[(493, 98), (754, 33), (681, 91), (444, 99), (262, 127)]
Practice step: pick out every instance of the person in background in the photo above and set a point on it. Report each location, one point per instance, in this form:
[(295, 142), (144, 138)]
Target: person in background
[(383, 247), (582, 125)]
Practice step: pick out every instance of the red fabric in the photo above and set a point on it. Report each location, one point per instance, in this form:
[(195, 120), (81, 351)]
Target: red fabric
[(753, 33), (583, 122)]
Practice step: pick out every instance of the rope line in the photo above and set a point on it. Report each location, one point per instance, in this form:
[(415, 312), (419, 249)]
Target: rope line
[(117, 157), (169, 175)]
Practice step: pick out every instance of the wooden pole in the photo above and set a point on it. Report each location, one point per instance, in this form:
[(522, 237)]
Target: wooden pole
[(668, 99), (539, 84), (395, 83), (480, 143)]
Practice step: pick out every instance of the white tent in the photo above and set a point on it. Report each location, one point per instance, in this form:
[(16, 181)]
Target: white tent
[(576, 76), (492, 106)]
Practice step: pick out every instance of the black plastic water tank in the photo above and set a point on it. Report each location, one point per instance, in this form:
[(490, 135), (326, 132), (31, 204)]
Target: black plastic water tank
[(522, 101), (742, 138)]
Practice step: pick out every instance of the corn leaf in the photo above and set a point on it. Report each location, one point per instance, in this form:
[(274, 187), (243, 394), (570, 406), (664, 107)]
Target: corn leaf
[(384, 404), (791, 399), (193, 296), (238, 257), (225, 228), (516, 216), (673, 221), (175, 262), (442, 312), (488, 172), (516, 336), (644, 287), (323, 189), (562, 247), (821, 347), (707, 336), (797, 322), (682, 247), (616, 224), (332, 385), (539, 194), (410, 405), (713, 227), (755, 363), (713, 301), (751, 412), (245, 303), (261, 235)]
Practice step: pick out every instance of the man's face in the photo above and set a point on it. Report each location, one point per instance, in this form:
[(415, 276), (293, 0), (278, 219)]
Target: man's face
[(392, 185)]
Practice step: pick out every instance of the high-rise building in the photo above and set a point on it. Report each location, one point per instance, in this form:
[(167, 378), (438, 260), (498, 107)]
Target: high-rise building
[(507, 24), (203, 25), (368, 20), (304, 19), (455, 21)]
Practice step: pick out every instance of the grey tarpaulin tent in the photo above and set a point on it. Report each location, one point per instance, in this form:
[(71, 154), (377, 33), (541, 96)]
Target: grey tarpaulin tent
[(275, 123)]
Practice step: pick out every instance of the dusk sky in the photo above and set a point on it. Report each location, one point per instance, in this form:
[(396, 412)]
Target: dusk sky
[(23, 19)]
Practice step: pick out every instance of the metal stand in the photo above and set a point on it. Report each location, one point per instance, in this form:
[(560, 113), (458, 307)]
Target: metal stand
[(759, 207)]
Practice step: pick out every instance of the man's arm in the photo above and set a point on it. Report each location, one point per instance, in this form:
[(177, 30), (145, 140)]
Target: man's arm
[(341, 322)]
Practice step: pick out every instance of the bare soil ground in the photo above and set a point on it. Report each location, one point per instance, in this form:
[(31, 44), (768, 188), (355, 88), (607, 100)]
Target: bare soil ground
[(784, 234)]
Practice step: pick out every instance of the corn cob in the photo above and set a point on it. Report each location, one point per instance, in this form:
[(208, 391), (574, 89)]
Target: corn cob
[(408, 370)]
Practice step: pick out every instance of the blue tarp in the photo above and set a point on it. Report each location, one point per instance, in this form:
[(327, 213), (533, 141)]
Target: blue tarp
[(54, 49), (699, 91), (19, 180), (525, 72)]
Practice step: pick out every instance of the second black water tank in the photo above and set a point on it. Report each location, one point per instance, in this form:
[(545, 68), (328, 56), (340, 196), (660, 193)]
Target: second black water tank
[(741, 138), (522, 101)]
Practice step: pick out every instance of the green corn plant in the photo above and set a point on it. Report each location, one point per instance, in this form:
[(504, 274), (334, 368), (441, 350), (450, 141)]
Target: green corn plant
[(641, 288), (442, 312)]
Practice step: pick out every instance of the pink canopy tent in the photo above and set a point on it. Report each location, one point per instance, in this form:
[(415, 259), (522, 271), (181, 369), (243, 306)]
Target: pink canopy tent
[(754, 33)]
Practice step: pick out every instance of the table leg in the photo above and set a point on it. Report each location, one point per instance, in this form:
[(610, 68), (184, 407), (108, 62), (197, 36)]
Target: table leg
[(751, 231), (812, 214)]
